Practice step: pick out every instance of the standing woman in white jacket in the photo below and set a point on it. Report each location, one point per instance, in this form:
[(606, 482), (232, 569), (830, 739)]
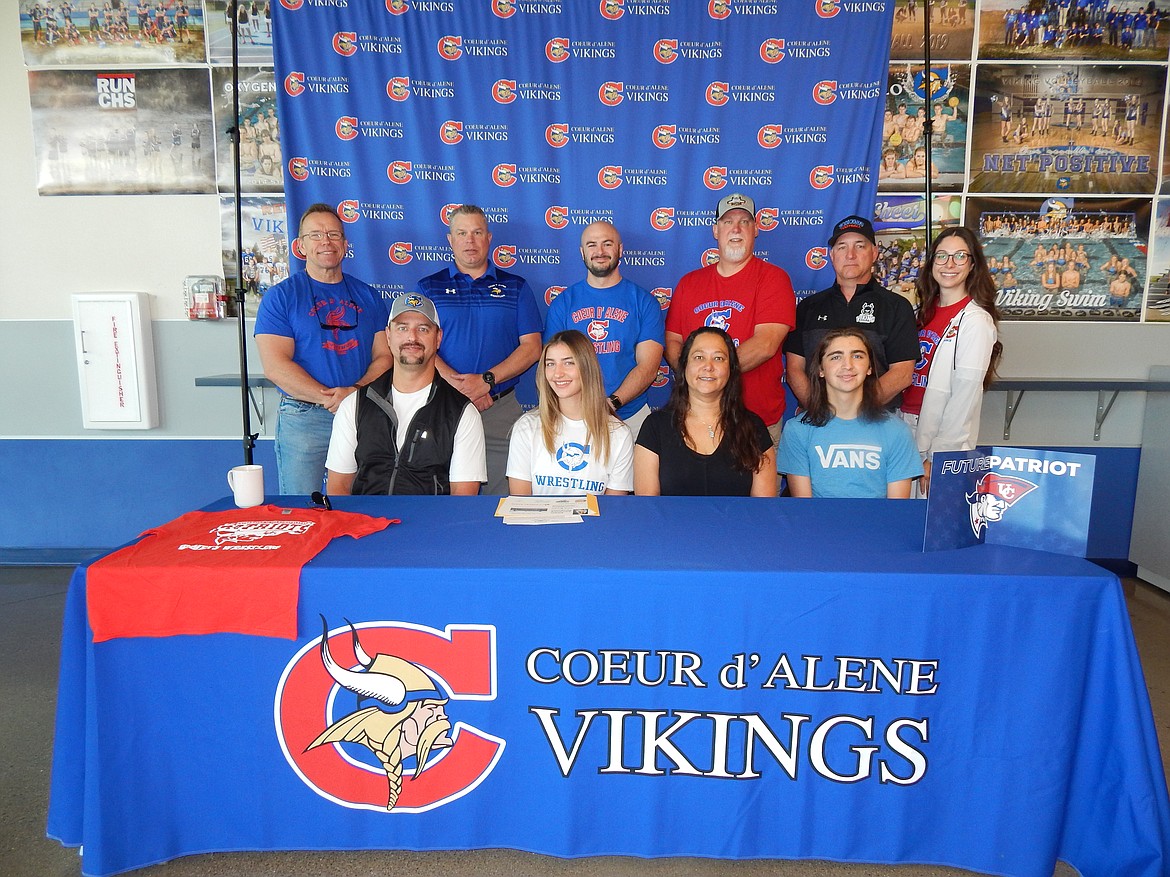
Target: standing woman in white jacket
[(959, 347)]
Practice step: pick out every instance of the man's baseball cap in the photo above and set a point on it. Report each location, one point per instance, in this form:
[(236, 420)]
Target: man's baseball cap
[(412, 301), (735, 201), (853, 225)]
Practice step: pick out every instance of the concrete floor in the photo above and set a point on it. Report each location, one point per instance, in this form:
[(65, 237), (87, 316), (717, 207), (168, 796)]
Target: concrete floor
[(31, 605)]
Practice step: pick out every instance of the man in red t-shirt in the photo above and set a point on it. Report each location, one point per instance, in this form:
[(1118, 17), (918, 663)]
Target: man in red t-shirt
[(746, 296)]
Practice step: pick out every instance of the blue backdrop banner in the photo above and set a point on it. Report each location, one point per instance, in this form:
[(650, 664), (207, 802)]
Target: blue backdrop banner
[(551, 115)]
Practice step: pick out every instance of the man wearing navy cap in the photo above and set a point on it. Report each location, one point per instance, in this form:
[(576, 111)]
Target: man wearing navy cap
[(408, 431), (856, 299)]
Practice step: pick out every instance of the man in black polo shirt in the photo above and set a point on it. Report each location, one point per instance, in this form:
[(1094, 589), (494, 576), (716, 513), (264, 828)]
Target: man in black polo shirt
[(856, 299)]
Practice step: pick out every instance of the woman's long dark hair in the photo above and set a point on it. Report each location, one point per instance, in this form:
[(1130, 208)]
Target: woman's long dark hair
[(818, 412), (733, 416), (979, 286)]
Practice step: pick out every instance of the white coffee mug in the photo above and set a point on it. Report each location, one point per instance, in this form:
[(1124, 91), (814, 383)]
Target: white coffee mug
[(247, 484)]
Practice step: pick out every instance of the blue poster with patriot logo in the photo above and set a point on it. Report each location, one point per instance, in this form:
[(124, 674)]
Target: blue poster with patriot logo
[(551, 115), (1022, 497)]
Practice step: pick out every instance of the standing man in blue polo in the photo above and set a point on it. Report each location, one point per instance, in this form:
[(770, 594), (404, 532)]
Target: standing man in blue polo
[(491, 333), (319, 334), (623, 320)]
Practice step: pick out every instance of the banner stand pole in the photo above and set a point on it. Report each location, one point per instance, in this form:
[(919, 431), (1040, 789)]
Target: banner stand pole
[(249, 437)]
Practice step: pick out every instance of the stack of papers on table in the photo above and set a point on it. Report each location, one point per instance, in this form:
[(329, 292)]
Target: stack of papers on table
[(546, 509)]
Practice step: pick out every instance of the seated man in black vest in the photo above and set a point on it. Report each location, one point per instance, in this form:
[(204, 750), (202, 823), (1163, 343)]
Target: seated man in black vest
[(408, 431)]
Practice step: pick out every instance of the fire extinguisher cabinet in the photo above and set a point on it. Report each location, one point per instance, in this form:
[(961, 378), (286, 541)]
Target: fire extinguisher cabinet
[(115, 360)]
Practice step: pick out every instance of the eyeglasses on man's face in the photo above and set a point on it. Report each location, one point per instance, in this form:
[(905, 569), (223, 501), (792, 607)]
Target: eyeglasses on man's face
[(959, 258), (318, 236)]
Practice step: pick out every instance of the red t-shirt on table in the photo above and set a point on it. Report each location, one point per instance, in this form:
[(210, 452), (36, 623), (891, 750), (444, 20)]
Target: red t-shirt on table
[(758, 293), (233, 571)]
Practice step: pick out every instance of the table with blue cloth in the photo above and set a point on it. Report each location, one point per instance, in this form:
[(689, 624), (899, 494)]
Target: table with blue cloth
[(728, 678)]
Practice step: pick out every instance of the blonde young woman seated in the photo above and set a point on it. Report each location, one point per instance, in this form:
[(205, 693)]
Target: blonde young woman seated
[(572, 444)]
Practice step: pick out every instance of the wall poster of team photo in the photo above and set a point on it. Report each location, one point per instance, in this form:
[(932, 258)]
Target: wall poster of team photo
[(952, 29), (261, 158), (1064, 258), (102, 33), (1090, 30), (115, 132), (900, 224), (903, 163), (1088, 129), (1158, 295), (266, 243)]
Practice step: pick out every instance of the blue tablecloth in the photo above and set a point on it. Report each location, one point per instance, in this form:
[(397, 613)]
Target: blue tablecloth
[(700, 677)]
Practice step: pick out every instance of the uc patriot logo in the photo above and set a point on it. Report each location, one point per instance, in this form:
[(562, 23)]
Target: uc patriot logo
[(994, 494), (362, 714)]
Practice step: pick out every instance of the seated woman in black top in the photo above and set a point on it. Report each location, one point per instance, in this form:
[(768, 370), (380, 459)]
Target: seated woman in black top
[(705, 443)]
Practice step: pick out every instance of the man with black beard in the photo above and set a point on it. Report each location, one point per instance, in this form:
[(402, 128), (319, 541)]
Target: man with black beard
[(408, 431), (623, 320)]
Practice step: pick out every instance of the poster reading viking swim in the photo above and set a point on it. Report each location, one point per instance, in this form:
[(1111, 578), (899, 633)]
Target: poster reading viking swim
[(952, 29), (113, 132), (1065, 258), (89, 33), (903, 165), (1065, 128), (261, 157), (1090, 30)]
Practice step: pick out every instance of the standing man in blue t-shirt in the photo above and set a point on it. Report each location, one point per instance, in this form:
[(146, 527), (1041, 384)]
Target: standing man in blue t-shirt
[(491, 333), (319, 334), (623, 320)]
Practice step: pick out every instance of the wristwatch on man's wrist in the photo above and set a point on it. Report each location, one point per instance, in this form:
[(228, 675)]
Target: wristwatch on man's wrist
[(615, 401), (489, 379)]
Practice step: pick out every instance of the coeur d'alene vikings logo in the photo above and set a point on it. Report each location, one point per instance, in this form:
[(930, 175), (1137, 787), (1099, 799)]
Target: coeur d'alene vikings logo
[(368, 729)]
